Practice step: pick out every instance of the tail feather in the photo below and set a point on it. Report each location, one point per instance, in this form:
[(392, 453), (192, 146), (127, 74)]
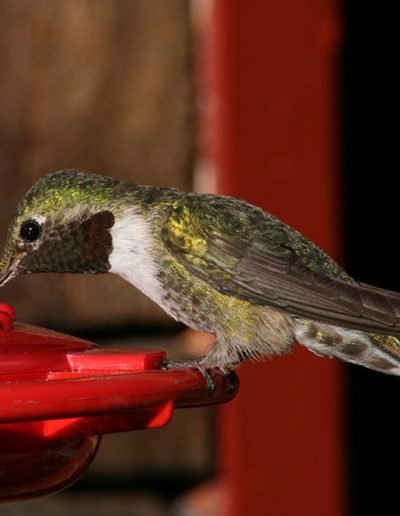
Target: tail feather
[(378, 352)]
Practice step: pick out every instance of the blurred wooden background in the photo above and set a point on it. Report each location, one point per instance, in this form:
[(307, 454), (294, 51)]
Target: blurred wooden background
[(103, 86)]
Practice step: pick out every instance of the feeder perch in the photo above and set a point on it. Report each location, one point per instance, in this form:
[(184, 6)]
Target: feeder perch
[(59, 394)]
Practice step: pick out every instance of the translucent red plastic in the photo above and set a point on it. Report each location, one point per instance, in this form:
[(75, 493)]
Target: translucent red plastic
[(59, 394)]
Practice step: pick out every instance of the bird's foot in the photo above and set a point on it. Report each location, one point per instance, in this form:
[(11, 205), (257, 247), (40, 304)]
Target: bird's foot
[(195, 363)]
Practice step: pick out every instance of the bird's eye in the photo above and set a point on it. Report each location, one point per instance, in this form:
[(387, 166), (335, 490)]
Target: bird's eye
[(30, 230)]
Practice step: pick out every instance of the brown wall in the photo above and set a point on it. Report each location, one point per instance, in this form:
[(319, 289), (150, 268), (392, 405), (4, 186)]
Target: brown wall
[(104, 86)]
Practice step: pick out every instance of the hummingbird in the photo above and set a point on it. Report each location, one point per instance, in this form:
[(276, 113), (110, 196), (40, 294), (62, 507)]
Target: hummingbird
[(215, 263)]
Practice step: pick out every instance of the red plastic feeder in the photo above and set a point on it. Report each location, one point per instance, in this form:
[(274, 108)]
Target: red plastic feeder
[(59, 394)]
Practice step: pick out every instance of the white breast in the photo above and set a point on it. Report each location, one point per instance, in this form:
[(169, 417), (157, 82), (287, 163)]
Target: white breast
[(132, 254)]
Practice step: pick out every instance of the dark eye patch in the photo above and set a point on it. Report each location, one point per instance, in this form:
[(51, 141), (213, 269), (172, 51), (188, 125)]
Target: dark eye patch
[(74, 246), (30, 230)]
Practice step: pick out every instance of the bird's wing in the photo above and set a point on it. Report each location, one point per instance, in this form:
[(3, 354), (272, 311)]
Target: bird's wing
[(244, 252)]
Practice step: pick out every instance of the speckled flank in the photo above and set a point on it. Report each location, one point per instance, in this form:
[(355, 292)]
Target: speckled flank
[(241, 328)]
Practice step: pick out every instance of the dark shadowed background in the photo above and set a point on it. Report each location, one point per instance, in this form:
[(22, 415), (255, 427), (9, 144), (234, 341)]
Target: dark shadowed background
[(370, 170)]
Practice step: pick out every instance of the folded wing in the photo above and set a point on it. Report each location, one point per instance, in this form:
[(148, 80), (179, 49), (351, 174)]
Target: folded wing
[(244, 252)]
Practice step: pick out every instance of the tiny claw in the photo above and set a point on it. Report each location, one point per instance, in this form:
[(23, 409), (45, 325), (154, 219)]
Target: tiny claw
[(194, 364)]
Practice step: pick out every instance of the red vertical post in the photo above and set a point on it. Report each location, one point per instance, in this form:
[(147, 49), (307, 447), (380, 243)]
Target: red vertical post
[(274, 86)]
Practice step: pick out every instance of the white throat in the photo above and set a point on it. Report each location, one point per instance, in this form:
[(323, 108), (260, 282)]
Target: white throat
[(132, 254)]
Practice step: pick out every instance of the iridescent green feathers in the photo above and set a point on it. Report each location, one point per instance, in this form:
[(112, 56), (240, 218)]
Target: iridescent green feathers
[(242, 251), (72, 209)]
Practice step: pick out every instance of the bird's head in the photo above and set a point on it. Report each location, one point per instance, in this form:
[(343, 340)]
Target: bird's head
[(62, 225)]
